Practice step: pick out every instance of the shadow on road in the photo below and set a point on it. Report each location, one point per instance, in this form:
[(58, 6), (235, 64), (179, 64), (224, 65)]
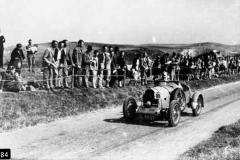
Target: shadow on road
[(144, 122)]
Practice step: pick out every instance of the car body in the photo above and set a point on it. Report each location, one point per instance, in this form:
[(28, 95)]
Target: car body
[(165, 101)]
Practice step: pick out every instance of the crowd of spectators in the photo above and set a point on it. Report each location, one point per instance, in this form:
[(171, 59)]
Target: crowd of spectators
[(107, 67)]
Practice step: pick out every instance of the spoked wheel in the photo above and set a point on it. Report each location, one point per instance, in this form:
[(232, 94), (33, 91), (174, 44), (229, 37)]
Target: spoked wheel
[(174, 113), (180, 97), (197, 111), (129, 109)]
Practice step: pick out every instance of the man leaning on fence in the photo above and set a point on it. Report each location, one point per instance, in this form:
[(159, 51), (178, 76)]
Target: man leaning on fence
[(77, 62), (49, 65)]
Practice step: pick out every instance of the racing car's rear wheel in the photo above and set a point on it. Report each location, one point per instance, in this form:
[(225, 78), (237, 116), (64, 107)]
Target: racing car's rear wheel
[(179, 95), (197, 111), (129, 109), (174, 113)]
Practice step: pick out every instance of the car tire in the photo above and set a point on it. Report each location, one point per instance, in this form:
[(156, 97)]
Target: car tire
[(129, 109), (199, 100), (174, 113), (179, 95)]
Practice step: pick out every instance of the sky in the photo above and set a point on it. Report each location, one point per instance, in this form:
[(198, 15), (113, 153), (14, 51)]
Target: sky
[(121, 21)]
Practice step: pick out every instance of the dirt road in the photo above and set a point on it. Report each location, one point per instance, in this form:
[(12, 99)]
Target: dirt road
[(105, 135)]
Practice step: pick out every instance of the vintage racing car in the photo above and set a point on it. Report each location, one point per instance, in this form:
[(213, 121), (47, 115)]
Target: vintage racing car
[(165, 101)]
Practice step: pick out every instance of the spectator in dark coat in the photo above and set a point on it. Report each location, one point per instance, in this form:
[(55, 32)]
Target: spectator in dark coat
[(2, 40), (157, 67), (77, 62), (122, 67), (65, 61), (114, 66), (17, 57)]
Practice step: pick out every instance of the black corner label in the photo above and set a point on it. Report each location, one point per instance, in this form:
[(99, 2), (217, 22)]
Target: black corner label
[(5, 154)]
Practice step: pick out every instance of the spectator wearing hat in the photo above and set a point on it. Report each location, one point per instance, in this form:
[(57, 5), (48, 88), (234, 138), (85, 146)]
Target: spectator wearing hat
[(17, 57), (107, 65), (77, 62), (2, 40), (49, 65), (144, 68), (31, 51), (86, 61), (94, 68)]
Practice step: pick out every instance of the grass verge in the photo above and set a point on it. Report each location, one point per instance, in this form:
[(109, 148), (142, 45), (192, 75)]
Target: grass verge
[(24, 109), (223, 145)]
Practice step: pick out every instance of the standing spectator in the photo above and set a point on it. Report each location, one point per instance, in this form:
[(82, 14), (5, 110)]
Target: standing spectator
[(17, 57), (66, 60), (2, 40), (31, 51), (172, 66), (57, 57), (114, 66), (238, 65), (224, 62), (77, 62), (221, 66), (144, 68), (177, 67), (59, 79), (198, 68), (149, 70), (101, 63), (94, 68), (49, 65), (107, 65), (86, 60), (136, 59), (121, 70), (136, 69), (192, 68), (67, 51), (156, 68)]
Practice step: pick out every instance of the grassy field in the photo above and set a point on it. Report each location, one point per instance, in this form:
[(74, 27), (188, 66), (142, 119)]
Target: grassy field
[(223, 145), (24, 109)]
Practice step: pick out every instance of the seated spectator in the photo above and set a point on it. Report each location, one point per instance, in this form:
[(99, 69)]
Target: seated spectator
[(13, 81)]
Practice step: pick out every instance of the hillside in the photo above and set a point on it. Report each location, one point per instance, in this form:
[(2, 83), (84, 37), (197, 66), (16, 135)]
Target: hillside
[(152, 49)]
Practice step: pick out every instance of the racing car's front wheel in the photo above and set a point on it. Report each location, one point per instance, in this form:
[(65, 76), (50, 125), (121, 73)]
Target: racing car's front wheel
[(174, 113), (179, 95), (129, 109), (199, 104)]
